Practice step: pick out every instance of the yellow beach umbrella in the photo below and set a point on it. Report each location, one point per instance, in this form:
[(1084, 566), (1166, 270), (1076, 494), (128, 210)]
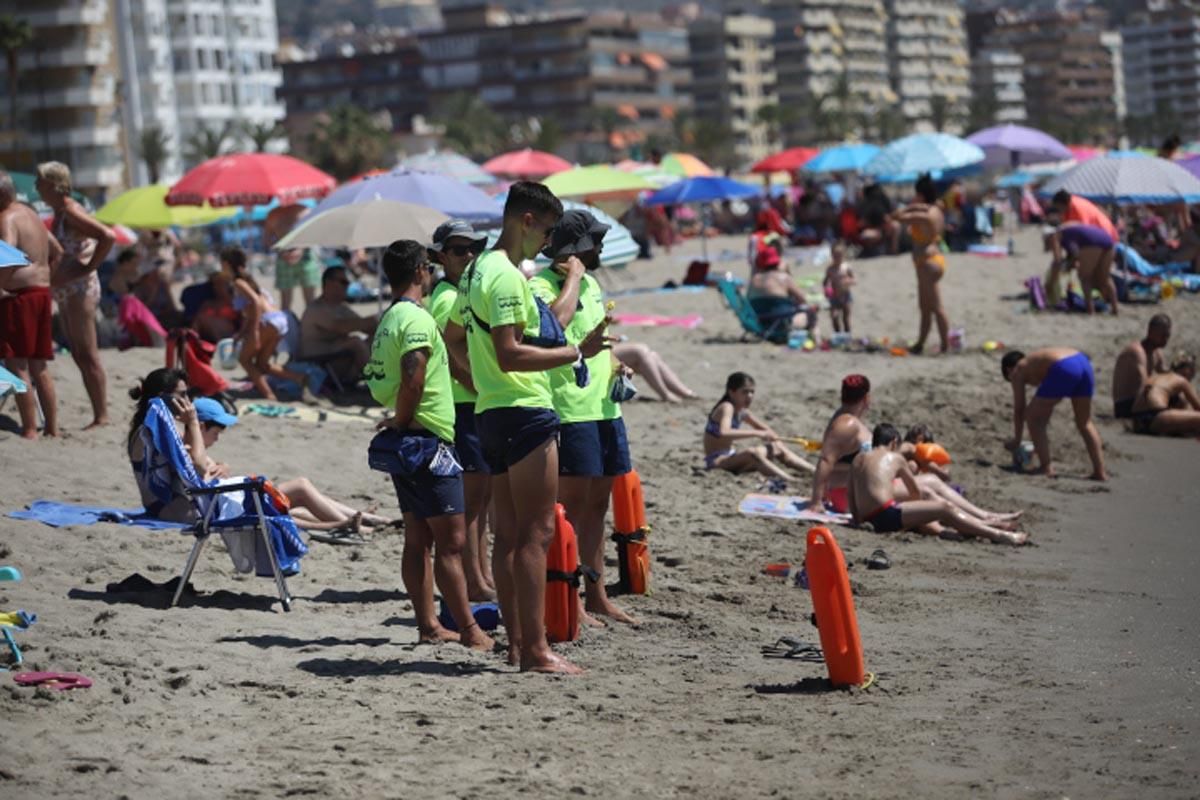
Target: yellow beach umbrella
[(684, 165), (596, 181), (146, 207)]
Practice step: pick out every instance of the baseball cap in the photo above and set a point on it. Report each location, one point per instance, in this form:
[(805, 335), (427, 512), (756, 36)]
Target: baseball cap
[(209, 410), (577, 231), (452, 228)]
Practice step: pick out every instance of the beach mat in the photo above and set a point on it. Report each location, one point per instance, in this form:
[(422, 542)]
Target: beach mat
[(782, 506), (659, 321), (59, 515), (310, 413)]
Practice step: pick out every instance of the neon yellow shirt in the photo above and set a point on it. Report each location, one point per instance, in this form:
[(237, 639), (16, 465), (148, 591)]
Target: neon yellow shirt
[(496, 293), (441, 304), (406, 327), (572, 403)]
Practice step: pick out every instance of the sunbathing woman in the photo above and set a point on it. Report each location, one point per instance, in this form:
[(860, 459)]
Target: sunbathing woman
[(845, 437), (649, 365), (724, 427), (309, 508), (926, 226), (263, 328)]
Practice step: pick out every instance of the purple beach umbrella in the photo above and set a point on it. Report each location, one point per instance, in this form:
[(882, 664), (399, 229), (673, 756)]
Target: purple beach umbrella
[(1014, 145)]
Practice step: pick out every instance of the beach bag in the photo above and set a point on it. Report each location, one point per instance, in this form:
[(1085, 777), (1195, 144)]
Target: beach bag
[(406, 453), (622, 390), (629, 519), (562, 581)]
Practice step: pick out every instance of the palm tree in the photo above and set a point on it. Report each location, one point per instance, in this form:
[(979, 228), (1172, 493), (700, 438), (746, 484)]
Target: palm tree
[(981, 113), (348, 140), (208, 143), (549, 135), (262, 134), (154, 146), (471, 126), (15, 36), (779, 120)]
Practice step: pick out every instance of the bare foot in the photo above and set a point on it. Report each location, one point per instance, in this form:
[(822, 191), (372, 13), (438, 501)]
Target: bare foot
[(551, 664), (308, 398), (1002, 524), (1045, 471), (436, 635), (590, 621), (514, 655), (1017, 538), (474, 638), (97, 423), (356, 522), (480, 594), (30, 435), (1098, 476), (612, 612)]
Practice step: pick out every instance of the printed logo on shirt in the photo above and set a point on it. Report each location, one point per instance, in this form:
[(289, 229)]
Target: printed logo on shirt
[(510, 302), (419, 337)]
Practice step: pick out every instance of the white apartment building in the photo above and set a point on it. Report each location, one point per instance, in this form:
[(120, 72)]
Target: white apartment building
[(67, 94), (927, 53), (1001, 73), (223, 60), (148, 87), (817, 41), (733, 68)]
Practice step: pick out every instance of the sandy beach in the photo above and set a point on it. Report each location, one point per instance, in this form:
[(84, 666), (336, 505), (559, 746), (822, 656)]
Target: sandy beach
[(1068, 668)]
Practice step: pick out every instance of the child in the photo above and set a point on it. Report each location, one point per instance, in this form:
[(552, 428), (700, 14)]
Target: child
[(920, 434), (724, 426), (838, 280)]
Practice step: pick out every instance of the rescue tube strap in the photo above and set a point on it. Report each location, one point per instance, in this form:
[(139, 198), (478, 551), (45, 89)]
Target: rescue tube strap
[(625, 538), (572, 578)]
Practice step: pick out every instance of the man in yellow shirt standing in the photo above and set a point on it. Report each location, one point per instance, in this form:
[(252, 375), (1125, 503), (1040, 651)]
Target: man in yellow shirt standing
[(409, 373), (515, 416), (592, 445)]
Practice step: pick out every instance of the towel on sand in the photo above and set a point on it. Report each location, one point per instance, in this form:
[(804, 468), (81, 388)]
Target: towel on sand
[(787, 507), (59, 515)]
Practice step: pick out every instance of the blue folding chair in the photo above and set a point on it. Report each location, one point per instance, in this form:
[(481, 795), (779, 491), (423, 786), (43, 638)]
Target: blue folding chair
[(774, 327)]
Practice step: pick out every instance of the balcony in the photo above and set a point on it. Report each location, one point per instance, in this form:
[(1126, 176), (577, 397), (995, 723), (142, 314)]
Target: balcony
[(84, 136), (78, 97), (90, 13), (99, 177), (77, 53)]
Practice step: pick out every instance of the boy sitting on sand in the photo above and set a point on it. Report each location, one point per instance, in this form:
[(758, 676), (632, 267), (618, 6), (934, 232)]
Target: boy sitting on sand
[(839, 277), (875, 497)]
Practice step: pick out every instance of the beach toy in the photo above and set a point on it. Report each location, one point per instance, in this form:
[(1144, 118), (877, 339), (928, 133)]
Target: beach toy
[(833, 605), (629, 519), (1023, 456), (932, 453), (487, 616), (899, 351), (1168, 290), (227, 353), (957, 339), (10, 574), (562, 581), (991, 346), (779, 570), (59, 681), (811, 445)]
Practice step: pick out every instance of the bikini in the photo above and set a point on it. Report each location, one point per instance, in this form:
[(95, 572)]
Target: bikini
[(919, 241), (80, 249), (713, 428)]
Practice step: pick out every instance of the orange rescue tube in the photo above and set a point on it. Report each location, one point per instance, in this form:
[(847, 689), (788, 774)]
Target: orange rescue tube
[(562, 581), (834, 607), (932, 453), (629, 519)]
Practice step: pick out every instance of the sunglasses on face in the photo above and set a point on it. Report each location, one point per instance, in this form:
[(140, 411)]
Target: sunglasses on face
[(458, 250)]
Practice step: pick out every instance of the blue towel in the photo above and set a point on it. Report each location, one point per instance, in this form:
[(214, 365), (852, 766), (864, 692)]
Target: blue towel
[(58, 515), (1134, 261)]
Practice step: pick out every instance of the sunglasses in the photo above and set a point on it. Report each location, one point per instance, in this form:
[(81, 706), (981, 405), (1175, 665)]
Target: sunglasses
[(459, 250)]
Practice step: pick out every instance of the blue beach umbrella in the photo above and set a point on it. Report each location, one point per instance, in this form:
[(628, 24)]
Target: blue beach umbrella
[(905, 159), (842, 158), (447, 195), (259, 213), (11, 256), (1128, 180), (702, 189)]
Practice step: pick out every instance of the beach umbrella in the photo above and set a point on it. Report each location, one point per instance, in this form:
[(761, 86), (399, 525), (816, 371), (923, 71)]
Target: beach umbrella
[(372, 223), (651, 172), (260, 213), (842, 158), (11, 256), (619, 246), (906, 158), (123, 236), (702, 190), (447, 195), (450, 164), (146, 207), (526, 164), (598, 180), (1191, 164), (250, 179), (1128, 181), (1081, 153), (1014, 145), (684, 165), (1015, 180), (786, 161)]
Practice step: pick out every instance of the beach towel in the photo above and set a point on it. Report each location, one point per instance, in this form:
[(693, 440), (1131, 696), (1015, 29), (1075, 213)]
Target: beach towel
[(787, 507), (60, 515), (656, 290), (139, 323), (311, 414), (687, 322), (1136, 262)]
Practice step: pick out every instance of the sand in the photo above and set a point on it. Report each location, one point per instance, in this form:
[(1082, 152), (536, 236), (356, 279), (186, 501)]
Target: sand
[(1064, 669)]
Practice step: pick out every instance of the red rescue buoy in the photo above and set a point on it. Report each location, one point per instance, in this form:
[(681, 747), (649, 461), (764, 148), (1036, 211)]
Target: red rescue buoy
[(562, 581), (834, 606), (629, 519)]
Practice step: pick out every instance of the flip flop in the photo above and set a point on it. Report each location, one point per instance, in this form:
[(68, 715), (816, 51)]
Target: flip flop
[(338, 537), (59, 681), (879, 560), (787, 647)]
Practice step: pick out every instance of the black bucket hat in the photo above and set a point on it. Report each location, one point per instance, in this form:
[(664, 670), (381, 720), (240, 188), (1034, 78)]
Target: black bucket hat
[(577, 231)]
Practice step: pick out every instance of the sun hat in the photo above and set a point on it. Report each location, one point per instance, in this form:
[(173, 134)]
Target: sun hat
[(209, 410), (577, 231)]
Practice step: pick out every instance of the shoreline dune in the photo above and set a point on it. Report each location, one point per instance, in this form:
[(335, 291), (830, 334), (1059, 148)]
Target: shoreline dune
[(1066, 668)]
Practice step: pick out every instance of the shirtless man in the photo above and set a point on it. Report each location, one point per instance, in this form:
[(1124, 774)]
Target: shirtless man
[(25, 309), (773, 291), (329, 324), (1137, 362), (845, 436), (884, 492), (1167, 404), (1057, 372)]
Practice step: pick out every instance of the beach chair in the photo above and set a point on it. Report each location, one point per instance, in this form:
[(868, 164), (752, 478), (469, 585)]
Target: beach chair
[(774, 328), (240, 509)]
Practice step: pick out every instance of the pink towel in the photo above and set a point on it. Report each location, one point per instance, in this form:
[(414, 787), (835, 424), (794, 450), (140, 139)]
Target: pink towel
[(139, 322), (657, 321)]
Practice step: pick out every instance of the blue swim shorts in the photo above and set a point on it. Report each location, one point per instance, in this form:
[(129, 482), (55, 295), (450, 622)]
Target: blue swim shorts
[(507, 435), (593, 449), (1068, 377)]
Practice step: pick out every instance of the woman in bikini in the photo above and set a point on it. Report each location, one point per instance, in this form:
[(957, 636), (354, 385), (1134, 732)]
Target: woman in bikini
[(845, 437), (926, 226), (724, 428), (263, 328), (85, 243)]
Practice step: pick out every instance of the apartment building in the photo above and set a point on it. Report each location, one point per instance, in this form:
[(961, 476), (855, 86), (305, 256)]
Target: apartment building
[(1073, 81), (1000, 75), (223, 62), (733, 68), (927, 55), (1161, 54), (817, 42), (148, 89), (67, 104)]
